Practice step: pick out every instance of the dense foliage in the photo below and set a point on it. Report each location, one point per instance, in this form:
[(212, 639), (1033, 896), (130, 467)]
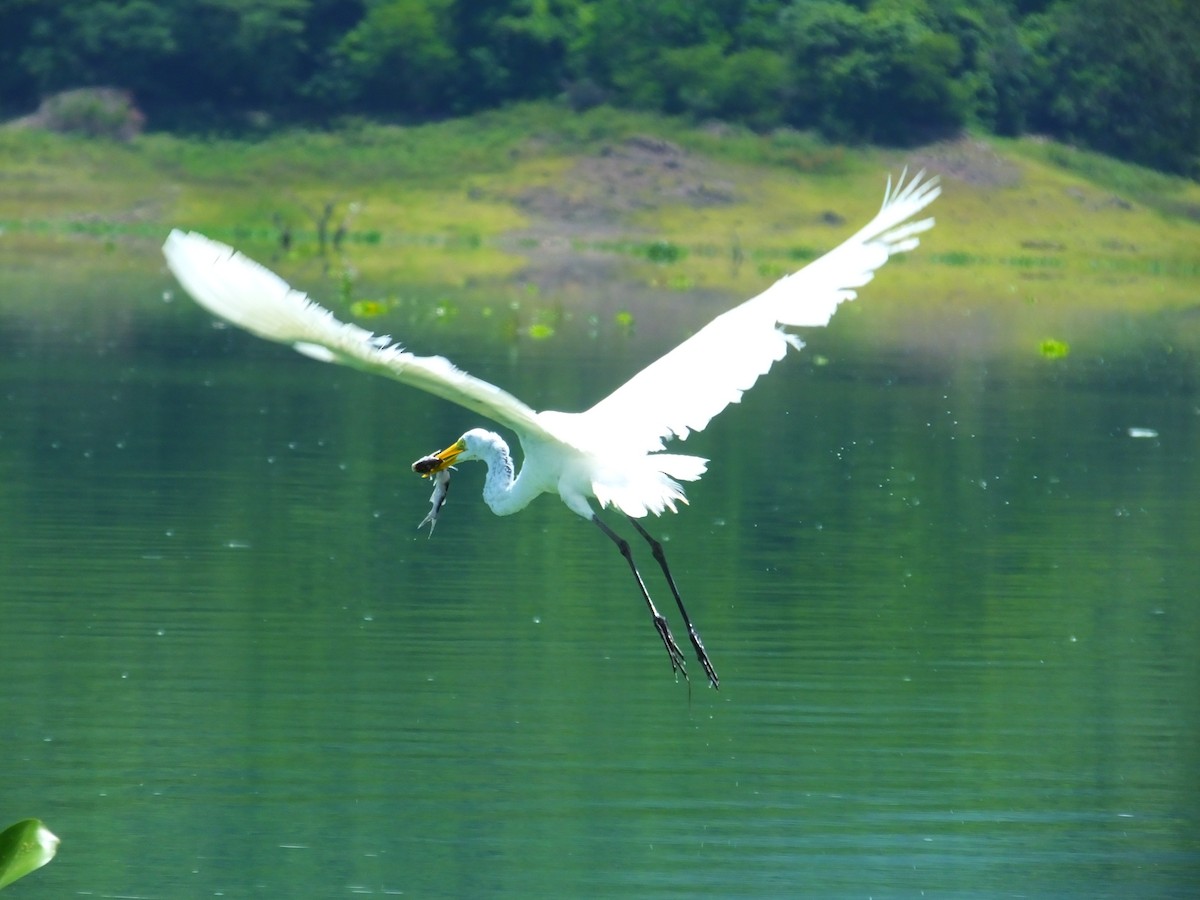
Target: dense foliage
[(1115, 75)]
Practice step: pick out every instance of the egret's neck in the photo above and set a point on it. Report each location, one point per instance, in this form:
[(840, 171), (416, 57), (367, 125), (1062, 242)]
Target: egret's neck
[(501, 489)]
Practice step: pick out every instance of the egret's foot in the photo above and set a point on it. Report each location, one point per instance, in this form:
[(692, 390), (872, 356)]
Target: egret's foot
[(703, 657), (673, 651)]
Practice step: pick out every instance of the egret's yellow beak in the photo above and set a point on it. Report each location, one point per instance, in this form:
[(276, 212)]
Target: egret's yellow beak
[(435, 462)]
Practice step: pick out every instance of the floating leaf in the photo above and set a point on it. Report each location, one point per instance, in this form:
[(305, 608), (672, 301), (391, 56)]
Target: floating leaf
[(624, 318), (1054, 349), (366, 309), (539, 331), (25, 846)]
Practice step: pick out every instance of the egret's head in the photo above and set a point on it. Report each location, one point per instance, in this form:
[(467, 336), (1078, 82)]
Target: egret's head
[(465, 449)]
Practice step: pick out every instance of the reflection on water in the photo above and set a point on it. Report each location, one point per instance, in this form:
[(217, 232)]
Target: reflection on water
[(953, 608)]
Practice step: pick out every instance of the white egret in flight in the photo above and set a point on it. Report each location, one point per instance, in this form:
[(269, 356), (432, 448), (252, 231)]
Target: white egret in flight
[(613, 452)]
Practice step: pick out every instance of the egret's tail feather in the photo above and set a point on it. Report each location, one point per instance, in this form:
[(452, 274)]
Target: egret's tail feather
[(648, 484)]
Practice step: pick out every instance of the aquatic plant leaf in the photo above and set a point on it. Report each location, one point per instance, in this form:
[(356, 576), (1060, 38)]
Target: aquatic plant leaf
[(25, 846), (366, 309), (1054, 349)]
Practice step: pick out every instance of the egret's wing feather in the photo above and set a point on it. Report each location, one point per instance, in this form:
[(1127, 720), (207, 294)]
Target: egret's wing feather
[(682, 391), (236, 288)]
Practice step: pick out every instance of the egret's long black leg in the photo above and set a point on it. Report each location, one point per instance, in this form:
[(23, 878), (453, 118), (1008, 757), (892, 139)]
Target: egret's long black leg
[(693, 635), (660, 623)]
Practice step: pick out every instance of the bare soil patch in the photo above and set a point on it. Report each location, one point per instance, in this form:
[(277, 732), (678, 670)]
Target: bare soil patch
[(593, 203), (970, 161)]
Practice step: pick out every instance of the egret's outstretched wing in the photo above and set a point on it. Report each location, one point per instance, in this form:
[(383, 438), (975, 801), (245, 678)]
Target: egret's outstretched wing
[(253, 297), (681, 392)]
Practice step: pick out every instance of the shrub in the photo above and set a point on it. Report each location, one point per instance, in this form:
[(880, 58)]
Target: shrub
[(95, 112)]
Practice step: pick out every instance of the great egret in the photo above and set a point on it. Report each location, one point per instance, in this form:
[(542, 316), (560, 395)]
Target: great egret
[(613, 452)]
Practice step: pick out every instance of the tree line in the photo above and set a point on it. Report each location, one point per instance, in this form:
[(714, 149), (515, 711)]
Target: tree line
[(1118, 76)]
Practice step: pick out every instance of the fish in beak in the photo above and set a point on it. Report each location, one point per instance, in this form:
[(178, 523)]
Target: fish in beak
[(437, 466), (436, 462)]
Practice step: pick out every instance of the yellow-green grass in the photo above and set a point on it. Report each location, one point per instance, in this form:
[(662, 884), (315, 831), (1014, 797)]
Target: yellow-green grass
[(1056, 241), (1051, 251)]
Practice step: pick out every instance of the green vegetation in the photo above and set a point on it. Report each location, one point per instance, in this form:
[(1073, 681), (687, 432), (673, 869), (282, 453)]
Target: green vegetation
[(24, 847), (1112, 75), (1054, 349)]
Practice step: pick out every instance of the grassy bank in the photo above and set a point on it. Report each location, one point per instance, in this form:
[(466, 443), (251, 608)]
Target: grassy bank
[(1032, 237)]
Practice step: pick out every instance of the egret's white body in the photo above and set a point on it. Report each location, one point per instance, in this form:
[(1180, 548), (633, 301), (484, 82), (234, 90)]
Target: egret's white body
[(613, 452)]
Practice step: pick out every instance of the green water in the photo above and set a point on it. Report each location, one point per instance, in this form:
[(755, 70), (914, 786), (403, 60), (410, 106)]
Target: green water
[(953, 604)]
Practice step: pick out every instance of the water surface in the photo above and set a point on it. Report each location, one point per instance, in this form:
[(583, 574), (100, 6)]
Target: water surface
[(952, 602)]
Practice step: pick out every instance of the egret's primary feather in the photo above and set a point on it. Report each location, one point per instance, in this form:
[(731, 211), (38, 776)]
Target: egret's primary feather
[(251, 296), (682, 391)]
